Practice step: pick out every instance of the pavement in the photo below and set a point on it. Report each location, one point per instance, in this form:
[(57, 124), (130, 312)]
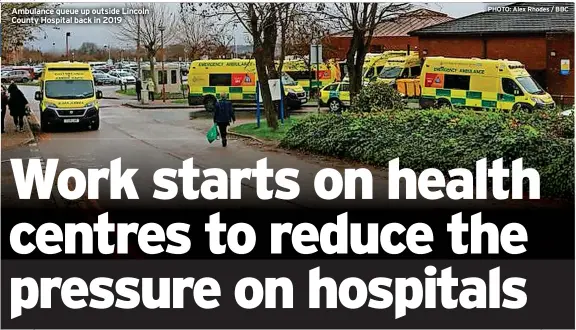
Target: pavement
[(150, 140)]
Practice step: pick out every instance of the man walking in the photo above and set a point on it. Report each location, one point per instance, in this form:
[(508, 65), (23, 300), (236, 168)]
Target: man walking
[(223, 116), (138, 89)]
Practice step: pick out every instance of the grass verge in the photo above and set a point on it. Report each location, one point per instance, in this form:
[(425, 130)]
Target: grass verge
[(264, 132), (175, 97)]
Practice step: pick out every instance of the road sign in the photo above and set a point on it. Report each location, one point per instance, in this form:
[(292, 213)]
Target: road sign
[(315, 54), (275, 90)]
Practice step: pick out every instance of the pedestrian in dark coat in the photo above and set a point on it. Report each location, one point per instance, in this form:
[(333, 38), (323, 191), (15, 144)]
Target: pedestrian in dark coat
[(223, 116), (18, 105), (139, 89), (4, 104)]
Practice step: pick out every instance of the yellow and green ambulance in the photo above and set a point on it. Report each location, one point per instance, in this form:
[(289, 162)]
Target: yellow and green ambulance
[(309, 77), (208, 79), (68, 96), (480, 83)]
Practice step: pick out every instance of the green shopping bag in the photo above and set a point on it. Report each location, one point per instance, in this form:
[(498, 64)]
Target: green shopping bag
[(212, 134)]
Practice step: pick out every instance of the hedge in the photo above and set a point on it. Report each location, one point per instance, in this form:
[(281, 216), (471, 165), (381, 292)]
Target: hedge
[(446, 139)]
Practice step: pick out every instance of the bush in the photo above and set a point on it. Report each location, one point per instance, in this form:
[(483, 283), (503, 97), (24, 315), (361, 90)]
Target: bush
[(377, 96), (446, 139)]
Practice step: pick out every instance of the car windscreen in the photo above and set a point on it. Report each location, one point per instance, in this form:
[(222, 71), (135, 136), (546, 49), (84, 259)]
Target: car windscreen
[(287, 80), (390, 72), (69, 89), (530, 85)]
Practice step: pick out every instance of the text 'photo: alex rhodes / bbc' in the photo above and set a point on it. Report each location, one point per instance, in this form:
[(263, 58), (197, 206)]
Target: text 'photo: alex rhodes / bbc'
[(287, 165)]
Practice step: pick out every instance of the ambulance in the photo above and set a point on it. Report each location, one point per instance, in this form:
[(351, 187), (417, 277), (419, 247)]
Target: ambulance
[(68, 96), (402, 67), (480, 83), (373, 65), (207, 79), (298, 69)]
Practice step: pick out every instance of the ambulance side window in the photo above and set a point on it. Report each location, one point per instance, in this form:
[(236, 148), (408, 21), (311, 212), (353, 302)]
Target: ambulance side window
[(370, 73), (344, 87), (415, 71), (452, 81), (404, 73), (220, 79), (510, 87), (331, 88)]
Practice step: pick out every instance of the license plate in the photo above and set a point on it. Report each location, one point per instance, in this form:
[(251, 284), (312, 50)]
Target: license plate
[(71, 120)]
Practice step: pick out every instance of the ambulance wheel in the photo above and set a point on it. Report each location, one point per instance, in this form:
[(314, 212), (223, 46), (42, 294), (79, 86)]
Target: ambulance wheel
[(209, 103), (95, 126), (443, 103), (44, 127), (334, 105), (522, 107)]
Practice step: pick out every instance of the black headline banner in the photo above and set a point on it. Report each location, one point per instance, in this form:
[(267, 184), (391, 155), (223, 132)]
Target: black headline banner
[(549, 289), (550, 231)]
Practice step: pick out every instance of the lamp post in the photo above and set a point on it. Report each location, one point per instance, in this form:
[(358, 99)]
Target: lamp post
[(108, 47), (162, 28), (67, 47)]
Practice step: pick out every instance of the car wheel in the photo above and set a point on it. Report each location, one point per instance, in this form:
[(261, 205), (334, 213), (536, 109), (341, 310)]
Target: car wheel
[(24, 80), (335, 105)]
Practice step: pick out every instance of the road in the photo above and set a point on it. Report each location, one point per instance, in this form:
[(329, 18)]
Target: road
[(152, 139)]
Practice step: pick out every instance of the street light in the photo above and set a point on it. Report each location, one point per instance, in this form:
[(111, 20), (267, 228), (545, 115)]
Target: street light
[(162, 28), (67, 49), (106, 46)]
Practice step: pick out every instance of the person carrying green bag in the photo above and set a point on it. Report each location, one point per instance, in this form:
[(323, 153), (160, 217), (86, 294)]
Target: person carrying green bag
[(212, 134), (223, 116)]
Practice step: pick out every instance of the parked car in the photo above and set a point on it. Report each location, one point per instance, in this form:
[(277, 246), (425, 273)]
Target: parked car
[(101, 78), (125, 77), (38, 71), (21, 76)]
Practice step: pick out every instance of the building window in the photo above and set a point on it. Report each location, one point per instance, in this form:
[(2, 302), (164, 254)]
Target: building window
[(173, 79), (510, 87), (456, 82), (220, 79), (162, 77)]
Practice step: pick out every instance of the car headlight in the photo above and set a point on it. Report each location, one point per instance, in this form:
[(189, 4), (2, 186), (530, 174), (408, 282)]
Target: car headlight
[(537, 100), (89, 105), (51, 105)]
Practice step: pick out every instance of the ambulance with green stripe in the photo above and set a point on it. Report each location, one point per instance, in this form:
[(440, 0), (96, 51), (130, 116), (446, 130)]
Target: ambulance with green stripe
[(208, 79), (298, 69), (480, 83)]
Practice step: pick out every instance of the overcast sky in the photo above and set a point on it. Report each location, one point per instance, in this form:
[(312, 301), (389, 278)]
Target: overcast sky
[(104, 34)]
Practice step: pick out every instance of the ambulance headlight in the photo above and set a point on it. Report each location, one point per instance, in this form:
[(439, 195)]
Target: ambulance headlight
[(89, 105), (51, 105), (537, 100)]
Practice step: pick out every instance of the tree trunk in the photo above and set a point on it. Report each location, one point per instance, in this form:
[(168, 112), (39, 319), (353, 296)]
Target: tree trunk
[(355, 62), (269, 109)]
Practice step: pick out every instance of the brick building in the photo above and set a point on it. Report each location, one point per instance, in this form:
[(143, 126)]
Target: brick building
[(540, 40), (389, 35)]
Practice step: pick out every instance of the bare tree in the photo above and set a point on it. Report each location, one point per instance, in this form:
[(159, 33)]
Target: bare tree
[(195, 31), (221, 43), (360, 19), (15, 35), (266, 23), (148, 28)]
